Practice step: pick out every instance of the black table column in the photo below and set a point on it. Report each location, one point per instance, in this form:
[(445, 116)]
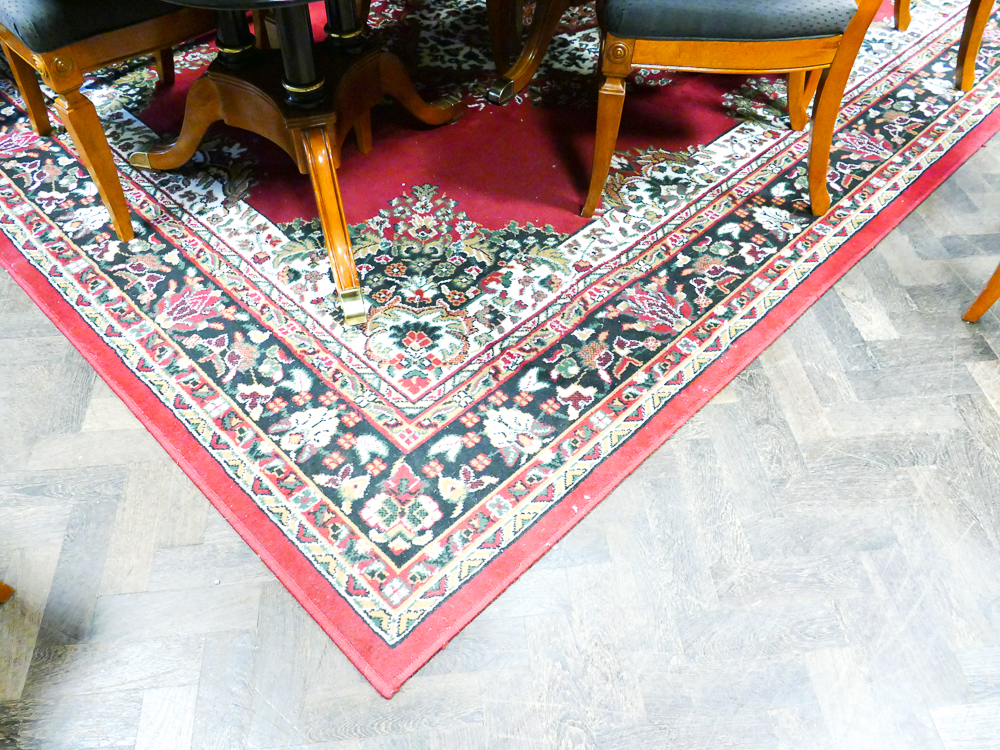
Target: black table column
[(343, 26), (304, 87), (233, 38)]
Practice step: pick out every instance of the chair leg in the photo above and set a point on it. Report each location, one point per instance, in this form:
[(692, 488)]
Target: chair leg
[(985, 300), (901, 10), (829, 94), (824, 119), (609, 117), (259, 31), (27, 82), (801, 89), (972, 36), (796, 91), (164, 67), (80, 118)]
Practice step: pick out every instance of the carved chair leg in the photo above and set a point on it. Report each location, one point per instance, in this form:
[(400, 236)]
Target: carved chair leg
[(320, 155), (972, 36), (261, 37), (821, 138), (796, 89), (609, 117), (27, 82), (80, 118), (829, 94), (5, 592), (164, 67), (985, 300), (801, 90), (901, 11)]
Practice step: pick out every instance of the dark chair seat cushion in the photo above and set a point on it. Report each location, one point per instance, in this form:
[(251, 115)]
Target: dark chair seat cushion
[(46, 25), (728, 20)]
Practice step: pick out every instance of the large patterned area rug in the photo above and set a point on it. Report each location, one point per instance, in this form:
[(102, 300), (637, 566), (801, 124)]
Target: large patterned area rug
[(518, 361)]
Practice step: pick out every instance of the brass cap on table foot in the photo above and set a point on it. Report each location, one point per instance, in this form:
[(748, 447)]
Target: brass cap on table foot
[(139, 159), (353, 305), (451, 104), (501, 92)]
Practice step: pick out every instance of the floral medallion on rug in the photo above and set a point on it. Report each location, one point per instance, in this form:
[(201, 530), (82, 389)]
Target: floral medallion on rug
[(397, 477)]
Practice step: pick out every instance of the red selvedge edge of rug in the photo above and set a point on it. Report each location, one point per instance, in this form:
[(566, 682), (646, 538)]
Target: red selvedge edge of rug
[(388, 668)]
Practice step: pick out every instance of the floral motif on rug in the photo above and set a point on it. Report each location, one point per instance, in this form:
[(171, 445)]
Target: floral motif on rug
[(499, 367)]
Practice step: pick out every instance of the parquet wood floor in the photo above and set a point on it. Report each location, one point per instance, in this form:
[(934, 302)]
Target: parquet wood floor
[(812, 562)]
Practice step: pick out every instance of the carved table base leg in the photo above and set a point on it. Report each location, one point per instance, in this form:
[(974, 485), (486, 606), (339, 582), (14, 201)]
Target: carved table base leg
[(203, 107), (395, 81), (543, 27), (319, 153)]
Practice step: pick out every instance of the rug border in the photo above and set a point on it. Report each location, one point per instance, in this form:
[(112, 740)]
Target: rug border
[(387, 668)]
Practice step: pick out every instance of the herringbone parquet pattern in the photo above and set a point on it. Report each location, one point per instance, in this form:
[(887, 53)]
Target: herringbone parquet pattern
[(812, 562)]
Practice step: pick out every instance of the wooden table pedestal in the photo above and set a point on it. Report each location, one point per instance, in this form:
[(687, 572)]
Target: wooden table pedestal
[(252, 98)]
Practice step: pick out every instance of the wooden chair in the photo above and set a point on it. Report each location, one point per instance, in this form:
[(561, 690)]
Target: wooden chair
[(972, 37), (63, 39), (815, 41)]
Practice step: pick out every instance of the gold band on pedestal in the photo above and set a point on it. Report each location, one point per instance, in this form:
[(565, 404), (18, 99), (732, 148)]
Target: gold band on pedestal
[(349, 35), (234, 50), (304, 89)]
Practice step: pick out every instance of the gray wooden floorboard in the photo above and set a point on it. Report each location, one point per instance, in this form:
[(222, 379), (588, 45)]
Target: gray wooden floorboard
[(811, 563)]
